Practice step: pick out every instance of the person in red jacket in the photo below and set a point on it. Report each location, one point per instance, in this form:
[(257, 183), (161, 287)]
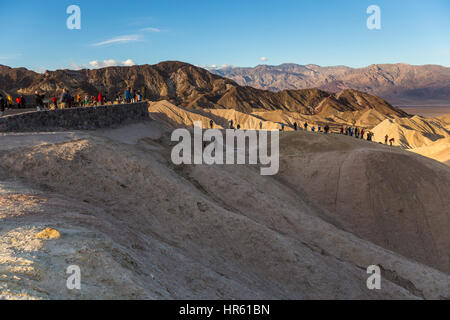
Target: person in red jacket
[(100, 98), (55, 104), (18, 102)]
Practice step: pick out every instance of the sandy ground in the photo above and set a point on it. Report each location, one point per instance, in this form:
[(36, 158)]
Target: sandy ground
[(140, 227), (9, 141)]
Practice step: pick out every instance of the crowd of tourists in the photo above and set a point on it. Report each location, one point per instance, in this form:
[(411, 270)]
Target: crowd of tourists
[(66, 100), (358, 133)]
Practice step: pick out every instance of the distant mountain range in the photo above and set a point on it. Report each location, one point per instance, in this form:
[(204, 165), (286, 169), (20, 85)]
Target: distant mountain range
[(398, 83), (189, 86)]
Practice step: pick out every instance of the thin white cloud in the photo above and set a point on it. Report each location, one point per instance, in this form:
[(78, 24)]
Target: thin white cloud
[(10, 56), (264, 59), (111, 63), (40, 70), (151, 29), (120, 39), (74, 66), (128, 63), (217, 67)]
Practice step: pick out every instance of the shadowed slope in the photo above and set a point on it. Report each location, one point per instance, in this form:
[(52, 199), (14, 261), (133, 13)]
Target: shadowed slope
[(393, 198)]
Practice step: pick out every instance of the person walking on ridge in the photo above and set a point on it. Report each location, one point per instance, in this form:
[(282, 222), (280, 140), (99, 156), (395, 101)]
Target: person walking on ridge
[(391, 141)]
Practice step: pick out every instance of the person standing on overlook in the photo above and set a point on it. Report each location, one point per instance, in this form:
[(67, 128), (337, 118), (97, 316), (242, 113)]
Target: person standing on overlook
[(10, 102), (64, 99), (54, 104), (22, 102), (39, 100), (2, 105), (128, 95), (71, 101)]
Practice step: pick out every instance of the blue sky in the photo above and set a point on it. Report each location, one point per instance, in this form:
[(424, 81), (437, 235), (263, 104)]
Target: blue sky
[(33, 33)]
